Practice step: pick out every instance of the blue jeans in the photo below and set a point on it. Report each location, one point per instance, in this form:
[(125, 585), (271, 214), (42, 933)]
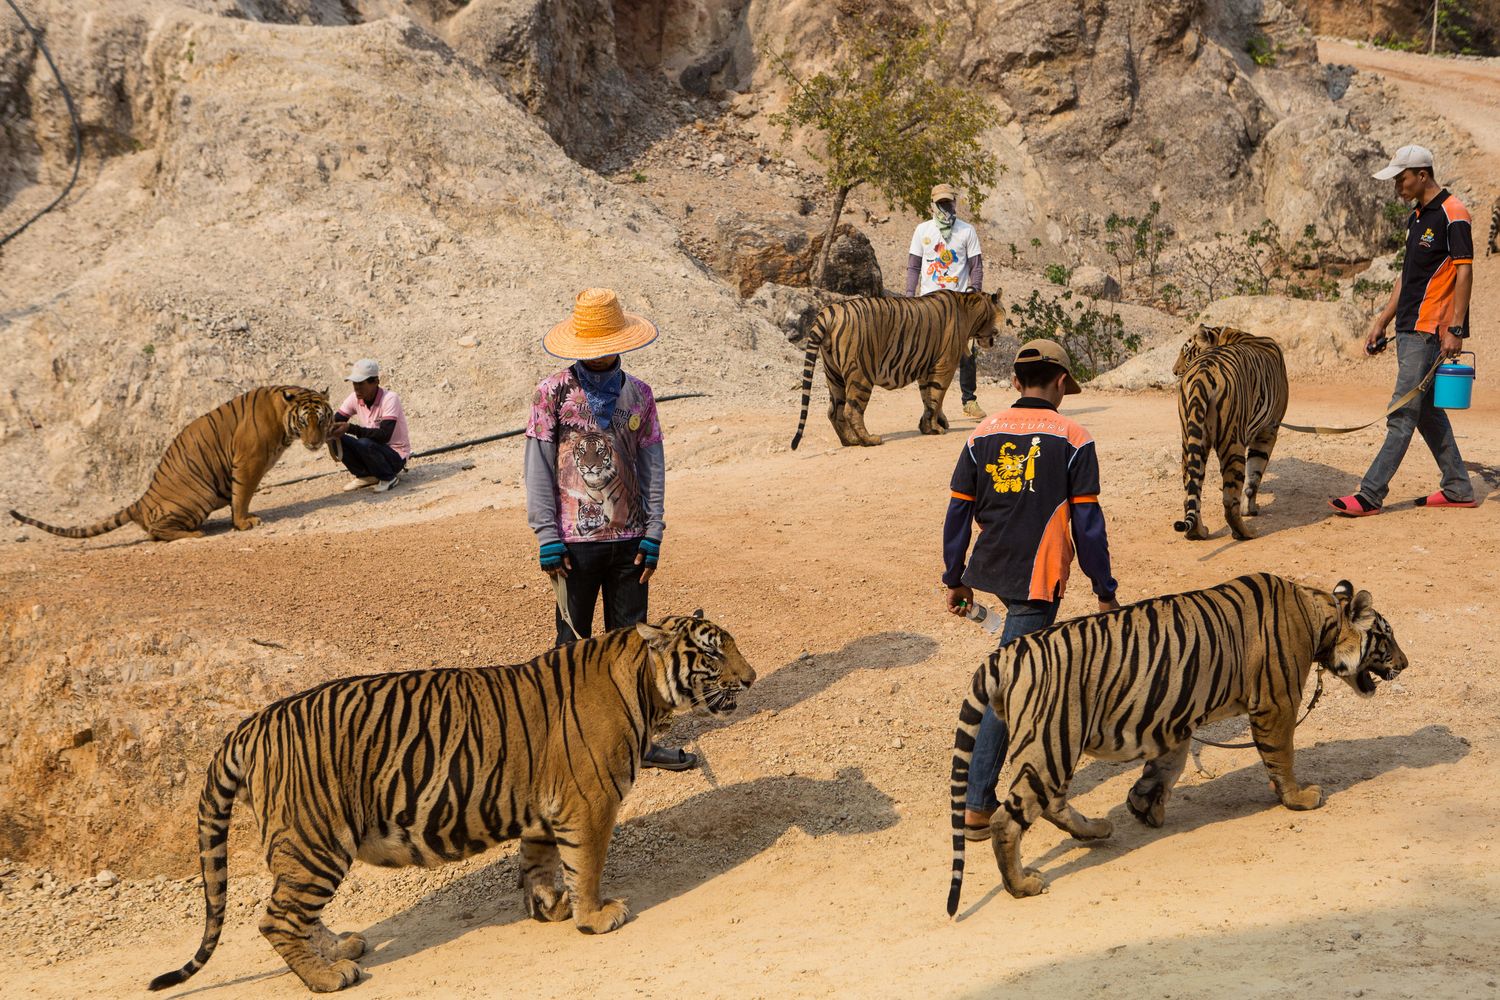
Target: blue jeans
[(1021, 618), (1415, 354), (363, 457)]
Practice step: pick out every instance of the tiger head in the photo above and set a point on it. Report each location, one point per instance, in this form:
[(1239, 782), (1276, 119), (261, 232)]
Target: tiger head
[(308, 416), (987, 319), (1205, 338), (698, 666), (595, 460), (1365, 647)]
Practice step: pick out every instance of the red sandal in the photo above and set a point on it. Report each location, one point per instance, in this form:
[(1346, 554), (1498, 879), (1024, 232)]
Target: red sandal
[(1352, 506), (1441, 499)]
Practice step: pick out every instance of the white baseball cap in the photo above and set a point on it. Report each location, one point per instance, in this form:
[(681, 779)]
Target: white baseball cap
[(363, 370), (1406, 158)]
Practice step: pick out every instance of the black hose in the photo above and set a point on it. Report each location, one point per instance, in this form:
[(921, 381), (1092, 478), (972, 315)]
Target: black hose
[(72, 113), (468, 444)]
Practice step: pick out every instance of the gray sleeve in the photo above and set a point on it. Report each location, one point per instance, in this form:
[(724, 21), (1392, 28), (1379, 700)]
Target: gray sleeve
[(651, 468), (976, 274), (913, 273), (541, 490)]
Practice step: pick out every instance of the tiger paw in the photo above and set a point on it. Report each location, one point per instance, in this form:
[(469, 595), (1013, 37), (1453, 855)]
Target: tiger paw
[(249, 522), (871, 440), (548, 903), (334, 978), (1197, 532), (1094, 829), (612, 914), (1149, 807), (349, 946), (1306, 797), (1031, 884)]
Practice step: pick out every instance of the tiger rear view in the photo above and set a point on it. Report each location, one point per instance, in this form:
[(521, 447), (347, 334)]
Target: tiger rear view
[(427, 766), (1135, 683), (1231, 396), (892, 341), (218, 459)]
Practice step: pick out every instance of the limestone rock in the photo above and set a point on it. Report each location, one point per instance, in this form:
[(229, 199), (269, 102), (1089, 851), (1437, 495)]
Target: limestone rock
[(1095, 282), (753, 251), (1317, 173)]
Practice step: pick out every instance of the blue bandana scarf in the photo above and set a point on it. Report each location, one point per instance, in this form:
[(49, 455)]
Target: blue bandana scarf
[(601, 389)]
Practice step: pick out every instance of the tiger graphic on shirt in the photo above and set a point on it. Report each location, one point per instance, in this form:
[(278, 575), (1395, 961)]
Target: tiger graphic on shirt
[(603, 484)]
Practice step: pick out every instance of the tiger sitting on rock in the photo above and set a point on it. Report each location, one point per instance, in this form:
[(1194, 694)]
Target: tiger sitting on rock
[(426, 766), (1137, 682), (218, 459)]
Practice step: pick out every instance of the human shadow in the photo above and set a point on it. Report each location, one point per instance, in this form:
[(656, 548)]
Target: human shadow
[(813, 673), (650, 857), (1336, 765)]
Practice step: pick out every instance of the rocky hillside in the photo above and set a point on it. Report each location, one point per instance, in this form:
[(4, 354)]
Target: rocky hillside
[(1467, 24)]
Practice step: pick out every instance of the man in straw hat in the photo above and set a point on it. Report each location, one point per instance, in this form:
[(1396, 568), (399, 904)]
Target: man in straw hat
[(596, 476), (1430, 305), (1024, 476), (945, 255)]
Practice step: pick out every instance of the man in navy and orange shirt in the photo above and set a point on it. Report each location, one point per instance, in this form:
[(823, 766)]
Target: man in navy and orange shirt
[(1430, 305), (1029, 477)]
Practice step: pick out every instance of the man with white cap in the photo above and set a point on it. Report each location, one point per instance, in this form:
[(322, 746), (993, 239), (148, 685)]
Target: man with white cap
[(596, 476), (1029, 477), (1430, 305), (369, 432), (945, 255)]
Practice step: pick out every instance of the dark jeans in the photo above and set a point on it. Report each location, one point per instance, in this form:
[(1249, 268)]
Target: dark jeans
[(1415, 354), (1021, 618), (610, 567), (363, 457), (968, 378)]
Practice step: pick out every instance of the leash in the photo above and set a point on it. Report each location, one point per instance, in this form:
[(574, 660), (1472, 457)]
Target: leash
[(1421, 387), (560, 588), (1317, 693)]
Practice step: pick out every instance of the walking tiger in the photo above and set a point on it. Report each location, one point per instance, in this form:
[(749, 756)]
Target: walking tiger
[(892, 341), (1135, 683)]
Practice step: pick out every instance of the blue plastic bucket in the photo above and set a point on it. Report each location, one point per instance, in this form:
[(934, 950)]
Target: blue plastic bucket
[(1453, 386)]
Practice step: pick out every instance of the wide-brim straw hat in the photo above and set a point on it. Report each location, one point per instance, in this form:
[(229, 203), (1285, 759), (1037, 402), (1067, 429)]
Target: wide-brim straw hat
[(598, 327)]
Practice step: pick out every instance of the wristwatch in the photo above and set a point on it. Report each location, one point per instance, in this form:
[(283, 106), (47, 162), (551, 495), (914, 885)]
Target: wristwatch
[(1458, 332)]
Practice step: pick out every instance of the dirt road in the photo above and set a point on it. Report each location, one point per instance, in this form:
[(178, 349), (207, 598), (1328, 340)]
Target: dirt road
[(811, 858)]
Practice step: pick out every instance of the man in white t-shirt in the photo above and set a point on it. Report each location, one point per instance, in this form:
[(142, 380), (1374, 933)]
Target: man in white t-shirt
[(945, 255), (369, 431)]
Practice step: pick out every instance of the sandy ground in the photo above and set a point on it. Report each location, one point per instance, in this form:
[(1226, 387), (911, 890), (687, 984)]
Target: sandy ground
[(810, 858)]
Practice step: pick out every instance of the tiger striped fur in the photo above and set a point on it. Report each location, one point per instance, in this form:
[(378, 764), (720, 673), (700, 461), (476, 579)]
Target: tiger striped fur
[(892, 341), (1493, 247), (427, 766), (1231, 395), (1135, 683), (218, 459)]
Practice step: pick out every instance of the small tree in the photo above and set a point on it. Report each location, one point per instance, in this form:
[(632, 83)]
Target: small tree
[(885, 120)]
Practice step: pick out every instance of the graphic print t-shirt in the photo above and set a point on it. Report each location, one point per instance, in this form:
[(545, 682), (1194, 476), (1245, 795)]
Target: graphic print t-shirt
[(945, 262), (1024, 468), (598, 491), (1439, 236)]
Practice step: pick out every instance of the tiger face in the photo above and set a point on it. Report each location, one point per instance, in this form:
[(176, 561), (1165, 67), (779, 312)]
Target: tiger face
[(987, 329), (1366, 647), (700, 668), (595, 460), (309, 416)]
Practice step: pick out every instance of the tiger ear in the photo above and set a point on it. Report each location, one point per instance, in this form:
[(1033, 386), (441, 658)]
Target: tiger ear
[(995, 297), (328, 392), (698, 613), (653, 636), (1362, 609), (1207, 336), (288, 395), (1343, 591)]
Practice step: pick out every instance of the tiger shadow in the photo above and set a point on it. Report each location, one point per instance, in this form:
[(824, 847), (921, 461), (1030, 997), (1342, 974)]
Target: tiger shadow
[(1298, 496), (331, 496), (812, 673), (651, 857), (1336, 765)]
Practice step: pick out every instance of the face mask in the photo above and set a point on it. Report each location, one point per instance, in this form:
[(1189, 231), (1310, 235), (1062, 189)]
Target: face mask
[(944, 217)]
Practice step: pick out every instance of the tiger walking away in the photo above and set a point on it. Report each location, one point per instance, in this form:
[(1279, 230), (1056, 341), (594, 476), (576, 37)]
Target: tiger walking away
[(891, 341), (1137, 682), (1493, 247), (219, 459), (1231, 395), (424, 767)]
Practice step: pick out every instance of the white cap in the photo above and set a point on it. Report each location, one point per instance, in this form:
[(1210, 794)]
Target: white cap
[(364, 368), (1406, 158)]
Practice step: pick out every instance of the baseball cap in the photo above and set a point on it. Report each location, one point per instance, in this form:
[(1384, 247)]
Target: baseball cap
[(363, 370), (1406, 158), (1053, 353), (943, 191)]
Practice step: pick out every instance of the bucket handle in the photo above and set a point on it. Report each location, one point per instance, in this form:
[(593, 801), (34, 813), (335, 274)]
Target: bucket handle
[(1474, 364)]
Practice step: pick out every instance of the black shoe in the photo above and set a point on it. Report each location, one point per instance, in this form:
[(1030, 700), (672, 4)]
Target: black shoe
[(669, 758)]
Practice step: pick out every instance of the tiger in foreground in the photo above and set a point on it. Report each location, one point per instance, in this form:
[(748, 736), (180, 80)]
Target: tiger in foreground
[(1136, 682), (426, 766), (892, 341), (1231, 395), (218, 459)]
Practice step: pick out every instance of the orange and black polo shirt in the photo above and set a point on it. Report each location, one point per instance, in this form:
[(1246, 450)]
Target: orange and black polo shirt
[(1439, 236), (1026, 476)]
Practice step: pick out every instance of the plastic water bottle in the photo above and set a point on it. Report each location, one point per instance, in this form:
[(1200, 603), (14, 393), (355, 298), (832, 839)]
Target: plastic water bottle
[(986, 618)]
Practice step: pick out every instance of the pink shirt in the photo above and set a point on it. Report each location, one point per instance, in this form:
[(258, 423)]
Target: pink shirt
[(387, 406)]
